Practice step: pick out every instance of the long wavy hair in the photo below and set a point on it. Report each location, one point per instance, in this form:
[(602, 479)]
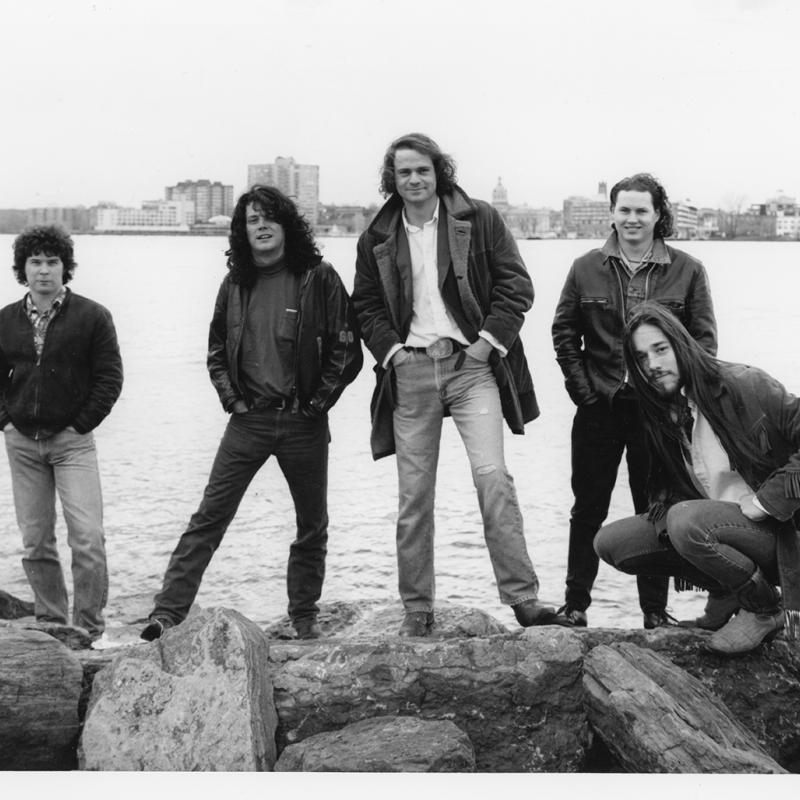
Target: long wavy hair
[(47, 240), (300, 249), (702, 378), (645, 182), (443, 165)]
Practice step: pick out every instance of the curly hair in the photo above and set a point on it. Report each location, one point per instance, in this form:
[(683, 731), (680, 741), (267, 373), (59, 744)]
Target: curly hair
[(443, 165), (47, 240), (645, 182), (300, 248)]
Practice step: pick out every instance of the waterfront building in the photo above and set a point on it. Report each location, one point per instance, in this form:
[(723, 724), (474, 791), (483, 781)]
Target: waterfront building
[(298, 181), (523, 221), (209, 199), (155, 216), (707, 223), (335, 220), (588, 217), (75, 219), (500, 197), (684, 216), (787, 224)]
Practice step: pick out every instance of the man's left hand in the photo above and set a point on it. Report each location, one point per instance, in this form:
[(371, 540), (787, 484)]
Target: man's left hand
[(480, 350), (750, 510)]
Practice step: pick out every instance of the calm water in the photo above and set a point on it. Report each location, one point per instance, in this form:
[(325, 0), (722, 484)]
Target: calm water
[(157, 445)]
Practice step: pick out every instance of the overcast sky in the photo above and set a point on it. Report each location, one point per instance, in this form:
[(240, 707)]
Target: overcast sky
[(115, 100)]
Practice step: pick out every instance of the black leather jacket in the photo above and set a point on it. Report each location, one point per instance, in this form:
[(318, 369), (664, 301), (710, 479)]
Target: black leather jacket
[(590, 316), (328, 349)]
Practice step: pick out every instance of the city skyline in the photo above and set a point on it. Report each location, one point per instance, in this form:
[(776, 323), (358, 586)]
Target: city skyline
[(552, 96)]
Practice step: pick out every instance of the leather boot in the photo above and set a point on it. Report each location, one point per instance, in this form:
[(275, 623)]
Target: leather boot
[(760, 619), (720, 607)]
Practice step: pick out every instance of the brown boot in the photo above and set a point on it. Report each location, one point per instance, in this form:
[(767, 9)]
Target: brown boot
[(760, 618), (719, 609)]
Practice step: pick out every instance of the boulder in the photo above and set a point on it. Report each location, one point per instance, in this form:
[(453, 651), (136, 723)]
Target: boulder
[(199, 698), (70, 636), (519, 696), (657, 718), (13, 608), (375, 619), (761, 689), (383, 744), (40, 685)]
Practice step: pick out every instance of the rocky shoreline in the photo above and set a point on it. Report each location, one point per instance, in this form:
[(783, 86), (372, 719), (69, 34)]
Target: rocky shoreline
[(221, 693)]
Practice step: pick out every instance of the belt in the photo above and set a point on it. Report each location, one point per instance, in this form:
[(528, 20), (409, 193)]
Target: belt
[(278, 404), (441, 348)]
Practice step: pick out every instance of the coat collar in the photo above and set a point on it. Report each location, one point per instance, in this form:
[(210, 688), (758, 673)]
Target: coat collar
[(660, 251), (456, 204)]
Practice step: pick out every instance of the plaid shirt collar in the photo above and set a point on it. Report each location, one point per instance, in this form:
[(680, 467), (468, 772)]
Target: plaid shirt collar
[(33, 312)]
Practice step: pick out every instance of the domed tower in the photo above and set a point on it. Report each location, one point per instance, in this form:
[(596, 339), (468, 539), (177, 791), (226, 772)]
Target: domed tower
[(500, 197)]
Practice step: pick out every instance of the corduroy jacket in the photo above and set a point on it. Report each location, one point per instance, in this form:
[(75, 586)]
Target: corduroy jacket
[(483, 282), (76, 381)]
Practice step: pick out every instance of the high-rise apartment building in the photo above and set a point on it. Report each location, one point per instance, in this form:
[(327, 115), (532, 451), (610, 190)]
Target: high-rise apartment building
[(298, 181), (209, 199)]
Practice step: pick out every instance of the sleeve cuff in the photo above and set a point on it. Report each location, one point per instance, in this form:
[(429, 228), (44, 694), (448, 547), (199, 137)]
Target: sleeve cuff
[(389, 355), (493, 342)]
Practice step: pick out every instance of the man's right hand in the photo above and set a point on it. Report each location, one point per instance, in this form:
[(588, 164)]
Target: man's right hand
[(239, 407)]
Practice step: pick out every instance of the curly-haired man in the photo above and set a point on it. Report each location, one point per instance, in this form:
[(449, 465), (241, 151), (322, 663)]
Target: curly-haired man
[(283, 345), (60, 375)]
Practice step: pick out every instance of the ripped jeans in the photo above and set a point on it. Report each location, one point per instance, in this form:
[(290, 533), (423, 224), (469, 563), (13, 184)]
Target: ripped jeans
[(426, 388)]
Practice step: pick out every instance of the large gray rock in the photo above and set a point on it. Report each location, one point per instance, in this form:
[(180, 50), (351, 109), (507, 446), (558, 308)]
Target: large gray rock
[(657, 718), (199, 698), (761, 689), (374, 619), (518, 696), (40, 685), (383, 744)]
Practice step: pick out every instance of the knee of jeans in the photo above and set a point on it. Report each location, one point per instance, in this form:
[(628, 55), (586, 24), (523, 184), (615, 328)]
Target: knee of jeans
[(485, 469), (602, 545), (679, 526)]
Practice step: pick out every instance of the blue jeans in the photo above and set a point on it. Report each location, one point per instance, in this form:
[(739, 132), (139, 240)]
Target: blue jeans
[(600, 435), (65, 463), (708, 542), (425, 389), (301, 447)]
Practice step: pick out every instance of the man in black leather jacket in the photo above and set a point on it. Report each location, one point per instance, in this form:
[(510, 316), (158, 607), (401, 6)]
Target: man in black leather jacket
[(634, 265), (283, 345)]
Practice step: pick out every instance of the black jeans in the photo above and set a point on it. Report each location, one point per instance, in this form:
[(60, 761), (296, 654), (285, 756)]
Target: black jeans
[(600, 435), (301, 447)]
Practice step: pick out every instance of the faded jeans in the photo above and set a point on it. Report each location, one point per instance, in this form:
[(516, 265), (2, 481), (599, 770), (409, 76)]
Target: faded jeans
[(425, 389), (301, 448), (67, 464), (710, 543)]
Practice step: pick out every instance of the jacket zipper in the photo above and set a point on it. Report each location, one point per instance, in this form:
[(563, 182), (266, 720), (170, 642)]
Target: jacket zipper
[(300, 306)]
